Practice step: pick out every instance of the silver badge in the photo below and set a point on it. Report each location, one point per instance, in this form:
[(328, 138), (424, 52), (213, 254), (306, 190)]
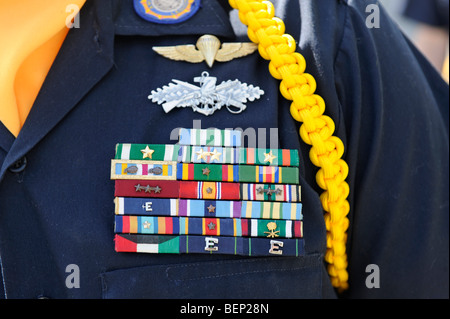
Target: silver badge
[(208, 97), (167, 5)]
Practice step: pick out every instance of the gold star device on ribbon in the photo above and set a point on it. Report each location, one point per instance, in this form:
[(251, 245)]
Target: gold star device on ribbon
[(147, 152), (208, 48)]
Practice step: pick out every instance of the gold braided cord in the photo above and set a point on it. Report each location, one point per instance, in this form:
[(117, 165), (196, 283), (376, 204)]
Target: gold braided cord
[(317, 129)]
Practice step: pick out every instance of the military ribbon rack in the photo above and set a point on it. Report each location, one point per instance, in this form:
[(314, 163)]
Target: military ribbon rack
[(207, 195)]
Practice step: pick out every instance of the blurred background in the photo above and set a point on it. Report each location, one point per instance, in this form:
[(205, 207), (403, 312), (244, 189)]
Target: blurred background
[(426, 23)]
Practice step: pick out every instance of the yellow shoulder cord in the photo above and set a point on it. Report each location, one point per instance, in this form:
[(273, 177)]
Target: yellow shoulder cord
[(317, 129)]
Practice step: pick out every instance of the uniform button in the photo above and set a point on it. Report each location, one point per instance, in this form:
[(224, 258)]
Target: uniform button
[(19, 166)]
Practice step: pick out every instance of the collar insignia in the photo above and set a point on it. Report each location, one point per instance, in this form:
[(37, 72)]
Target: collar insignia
[(209, 49), (208, 97)]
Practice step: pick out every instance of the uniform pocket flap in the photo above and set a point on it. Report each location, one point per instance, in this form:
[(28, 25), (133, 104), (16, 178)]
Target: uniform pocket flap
[(268, 278)]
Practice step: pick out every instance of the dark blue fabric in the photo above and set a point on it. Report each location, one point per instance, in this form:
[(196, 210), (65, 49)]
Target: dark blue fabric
[(432, 12), (389, 105)]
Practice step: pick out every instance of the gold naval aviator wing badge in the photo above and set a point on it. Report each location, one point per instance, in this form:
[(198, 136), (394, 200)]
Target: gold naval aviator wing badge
[(209, 49), (208, 97)]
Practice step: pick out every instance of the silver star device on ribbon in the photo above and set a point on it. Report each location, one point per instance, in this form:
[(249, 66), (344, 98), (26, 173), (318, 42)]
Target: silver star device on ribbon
[(208, 97)]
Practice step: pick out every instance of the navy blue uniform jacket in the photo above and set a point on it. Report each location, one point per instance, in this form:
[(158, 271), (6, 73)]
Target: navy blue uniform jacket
[(389, 105)]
